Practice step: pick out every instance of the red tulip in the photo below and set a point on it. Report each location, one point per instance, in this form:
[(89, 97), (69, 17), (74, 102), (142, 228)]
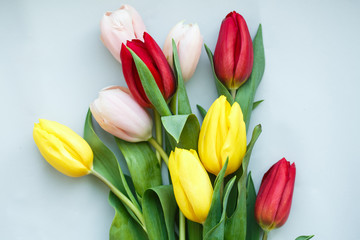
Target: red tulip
[(273, 202), (152, 55), (233, 56)]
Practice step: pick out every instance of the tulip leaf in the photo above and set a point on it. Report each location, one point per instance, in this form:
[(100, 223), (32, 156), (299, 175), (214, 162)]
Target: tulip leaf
[(123, 226), (151, 89), (159, 208), (304, 237), (221, 89), (256, 104), (194, 230), (215, 211), (217, 232), (183, 130), (253, 229), (201, 110), (246, 93), (235, 227), (142, 163), (182, 97)]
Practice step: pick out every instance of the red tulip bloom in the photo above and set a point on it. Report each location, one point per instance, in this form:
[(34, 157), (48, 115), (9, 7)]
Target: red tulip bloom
[(151, 54), (233, 56), (273, 202)]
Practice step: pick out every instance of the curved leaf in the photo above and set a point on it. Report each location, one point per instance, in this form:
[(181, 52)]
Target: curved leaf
[(304, 237), (253, 229)]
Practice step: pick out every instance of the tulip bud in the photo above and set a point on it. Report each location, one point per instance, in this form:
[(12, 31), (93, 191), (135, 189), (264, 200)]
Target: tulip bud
[(150, 53), (65, 150), (120, 26), (273, 202), (192, 187), (118, 113), (188, 42), (222, 136), (233, 56)]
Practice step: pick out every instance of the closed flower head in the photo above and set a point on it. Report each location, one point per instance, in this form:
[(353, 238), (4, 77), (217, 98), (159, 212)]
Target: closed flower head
[(222, 136)]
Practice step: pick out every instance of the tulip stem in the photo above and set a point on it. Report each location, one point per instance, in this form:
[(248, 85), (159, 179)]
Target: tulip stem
[(160, 150), (158, 133), (233, 93), (122, 197), (181, 226), (265, 235)]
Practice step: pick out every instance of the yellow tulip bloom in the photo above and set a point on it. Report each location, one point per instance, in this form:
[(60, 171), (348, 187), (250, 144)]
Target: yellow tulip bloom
[(192, 187), (222, 136), (65, 150)]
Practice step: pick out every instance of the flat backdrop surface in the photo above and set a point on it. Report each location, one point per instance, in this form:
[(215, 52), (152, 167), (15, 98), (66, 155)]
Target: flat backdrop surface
[(52, 65)]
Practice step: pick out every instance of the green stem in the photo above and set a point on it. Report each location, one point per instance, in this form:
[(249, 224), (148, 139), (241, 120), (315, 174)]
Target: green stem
[(173, 103), (233, 93), (158, 132), (122, 197), (160, 150), (181, 226), (265, 235)]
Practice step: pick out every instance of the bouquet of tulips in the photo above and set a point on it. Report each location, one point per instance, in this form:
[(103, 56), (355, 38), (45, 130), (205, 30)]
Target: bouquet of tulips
[(205, 190)]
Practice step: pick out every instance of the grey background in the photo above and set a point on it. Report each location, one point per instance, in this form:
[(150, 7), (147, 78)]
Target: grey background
[(53, 64)]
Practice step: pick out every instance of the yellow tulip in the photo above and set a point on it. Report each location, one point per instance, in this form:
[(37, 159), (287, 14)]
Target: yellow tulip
[(222, 136), (65, 150), (192, 187)]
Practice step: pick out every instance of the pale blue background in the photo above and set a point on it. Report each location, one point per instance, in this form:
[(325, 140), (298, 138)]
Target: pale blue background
[(53, 64)]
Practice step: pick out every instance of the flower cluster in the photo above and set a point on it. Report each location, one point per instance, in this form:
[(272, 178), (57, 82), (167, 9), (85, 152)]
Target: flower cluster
[(205, 163)]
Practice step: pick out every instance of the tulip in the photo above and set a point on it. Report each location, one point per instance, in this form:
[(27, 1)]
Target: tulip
[(120, 26), (188, 42), (222, 136), (192, 187), (151, 54), (65, 150), (233, 56), (273, 202), (118, 113)]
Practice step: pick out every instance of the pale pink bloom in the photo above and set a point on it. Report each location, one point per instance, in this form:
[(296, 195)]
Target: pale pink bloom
[(118, 113), (119, 26), (188, 42)]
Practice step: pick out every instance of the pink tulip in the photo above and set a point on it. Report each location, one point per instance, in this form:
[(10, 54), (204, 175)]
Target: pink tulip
[(188, 42), (120, 26), (118, 113), (273, 202)]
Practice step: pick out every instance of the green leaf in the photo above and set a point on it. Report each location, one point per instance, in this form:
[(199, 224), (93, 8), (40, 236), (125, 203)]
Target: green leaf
[(246, 93), (183, 130), (215, 211), (182, 97), (194, 230), (123, 226), (304, 237), (253, 229), (142, 163), (256, 104), (236, 225), (201, 110), (159, 208), (151, 89), (218, 231), (221, 89)]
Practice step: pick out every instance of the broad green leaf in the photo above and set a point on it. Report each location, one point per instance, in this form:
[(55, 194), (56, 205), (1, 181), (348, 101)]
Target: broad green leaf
[(142, 163), (151, 89), (218, 231), (221, 89), (246, 93), (215, 211), (304, 237), (183, 130), (253, 229), (159, 208), (182, 97), (194, 230), (236, 225), (123, 226), (201, 110), (256, 104)]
